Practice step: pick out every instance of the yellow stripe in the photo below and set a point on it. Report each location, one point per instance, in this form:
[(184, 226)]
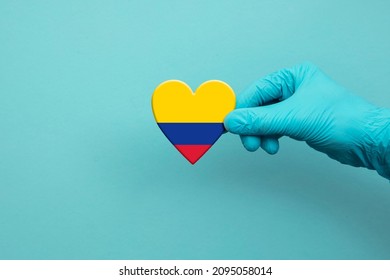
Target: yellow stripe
[(174, 101)]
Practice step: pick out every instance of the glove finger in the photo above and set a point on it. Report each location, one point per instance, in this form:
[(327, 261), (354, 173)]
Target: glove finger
[(251, 143), (270, 144), (268, 89), (274, 87), (265, 121)]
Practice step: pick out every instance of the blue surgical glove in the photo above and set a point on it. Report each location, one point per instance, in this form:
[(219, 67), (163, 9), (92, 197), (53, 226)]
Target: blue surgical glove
[(306, 105)]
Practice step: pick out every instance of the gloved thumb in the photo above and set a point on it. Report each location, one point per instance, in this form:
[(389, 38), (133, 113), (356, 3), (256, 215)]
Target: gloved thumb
[(264, 120)]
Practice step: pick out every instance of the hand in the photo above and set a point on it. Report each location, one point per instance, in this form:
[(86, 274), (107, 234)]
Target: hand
[(306, 105)]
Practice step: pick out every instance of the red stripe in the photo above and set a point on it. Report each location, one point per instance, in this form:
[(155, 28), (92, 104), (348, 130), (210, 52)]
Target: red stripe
[(193, 152)]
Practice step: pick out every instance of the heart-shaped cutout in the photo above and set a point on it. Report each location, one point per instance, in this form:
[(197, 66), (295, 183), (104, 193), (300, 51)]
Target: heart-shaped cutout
[(192, 122)]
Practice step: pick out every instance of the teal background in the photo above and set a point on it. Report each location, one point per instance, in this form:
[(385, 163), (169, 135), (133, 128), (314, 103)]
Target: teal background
[(85, 172)]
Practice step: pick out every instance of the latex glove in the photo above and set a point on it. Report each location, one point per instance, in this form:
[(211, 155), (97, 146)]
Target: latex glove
[(309, 106)]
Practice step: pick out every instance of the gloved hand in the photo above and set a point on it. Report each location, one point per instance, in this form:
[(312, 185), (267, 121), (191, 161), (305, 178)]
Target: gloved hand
[(308, 106)]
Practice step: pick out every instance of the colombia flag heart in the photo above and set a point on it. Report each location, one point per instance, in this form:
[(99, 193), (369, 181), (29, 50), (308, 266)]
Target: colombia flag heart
[(192, 122)]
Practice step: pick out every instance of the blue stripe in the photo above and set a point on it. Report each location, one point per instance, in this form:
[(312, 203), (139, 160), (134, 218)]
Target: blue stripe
[(192, 133)]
